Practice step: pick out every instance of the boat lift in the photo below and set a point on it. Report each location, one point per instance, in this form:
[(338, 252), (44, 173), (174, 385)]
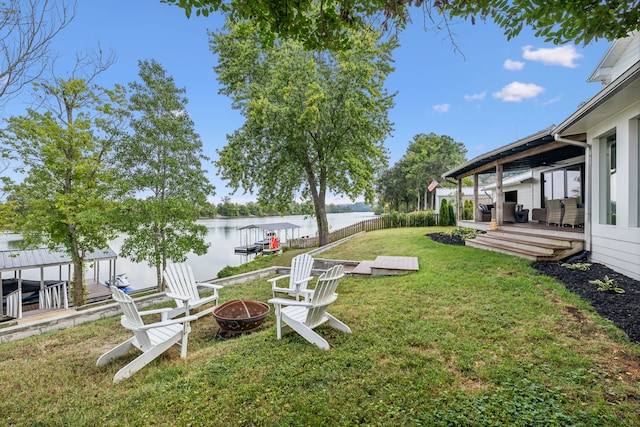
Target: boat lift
[(265, 238)]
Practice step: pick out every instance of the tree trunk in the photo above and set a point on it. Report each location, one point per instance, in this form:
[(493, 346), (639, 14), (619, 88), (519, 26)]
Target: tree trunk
[(78, 284), (323, 223), (426, 199)]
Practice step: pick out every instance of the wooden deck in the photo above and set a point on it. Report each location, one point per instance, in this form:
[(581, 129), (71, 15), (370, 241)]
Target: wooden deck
[(386, 266), (530, 240)]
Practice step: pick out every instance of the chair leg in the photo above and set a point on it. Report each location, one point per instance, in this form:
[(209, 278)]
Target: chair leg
[(185, 338), (307, 333), (119, 350), (337, 324), (278, 322), (144, 359)]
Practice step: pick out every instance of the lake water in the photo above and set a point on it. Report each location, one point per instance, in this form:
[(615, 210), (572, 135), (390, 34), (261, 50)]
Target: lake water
[(222, 235)]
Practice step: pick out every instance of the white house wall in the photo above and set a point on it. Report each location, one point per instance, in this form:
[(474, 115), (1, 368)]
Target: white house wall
[(617, 246)]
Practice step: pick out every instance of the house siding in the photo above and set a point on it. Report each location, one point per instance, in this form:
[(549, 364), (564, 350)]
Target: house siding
[(617, 246), (629, 56)]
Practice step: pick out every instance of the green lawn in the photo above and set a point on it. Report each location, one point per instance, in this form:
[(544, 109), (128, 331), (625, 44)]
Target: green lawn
[(474, 338)]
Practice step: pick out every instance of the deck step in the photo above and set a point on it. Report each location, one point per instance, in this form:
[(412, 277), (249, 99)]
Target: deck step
[(532, 238), (533, 246)]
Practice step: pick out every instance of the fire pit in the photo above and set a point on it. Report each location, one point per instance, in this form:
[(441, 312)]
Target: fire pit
[(237, 317)]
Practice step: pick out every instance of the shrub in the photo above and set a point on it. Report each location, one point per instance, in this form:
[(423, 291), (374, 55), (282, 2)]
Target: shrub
[(607, 285), (444, 219), (467, 211), (452, 215), (581, 266)]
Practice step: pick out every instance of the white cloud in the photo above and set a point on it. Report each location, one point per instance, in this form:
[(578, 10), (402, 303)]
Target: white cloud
[(553, 100), (512, 65), (516, 92), (441, 108), (562, 55), (476, 96)]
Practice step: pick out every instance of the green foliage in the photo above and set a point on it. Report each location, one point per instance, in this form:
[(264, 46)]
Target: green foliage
[(463, 232), (227, 271), (162, 168), (411, 219), (326, 24), (471, 339), (427, 157), (467, 210), (580, 266), (607, 285), (65, 152), (444, 219), (314, 122), (452, 215)]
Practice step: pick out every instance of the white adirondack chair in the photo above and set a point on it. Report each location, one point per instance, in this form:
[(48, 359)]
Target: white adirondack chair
[(183, 288), (152, 339), (304, 316), (298, 277)]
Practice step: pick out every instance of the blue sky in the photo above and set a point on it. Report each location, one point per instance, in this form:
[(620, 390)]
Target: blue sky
[(489, 93)]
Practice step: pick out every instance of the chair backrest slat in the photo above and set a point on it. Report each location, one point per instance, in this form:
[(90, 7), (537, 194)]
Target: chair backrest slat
[(301, 266), (131, 317), (180, 280), (323, 295)]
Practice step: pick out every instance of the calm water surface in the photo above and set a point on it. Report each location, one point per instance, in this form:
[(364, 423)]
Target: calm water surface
[(223, 235)]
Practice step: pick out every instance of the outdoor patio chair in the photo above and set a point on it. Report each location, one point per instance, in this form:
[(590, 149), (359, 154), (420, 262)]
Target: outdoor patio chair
[(554, 212), (152, 339), (304, 316), (183, 288), (298, 277), (573, 215)]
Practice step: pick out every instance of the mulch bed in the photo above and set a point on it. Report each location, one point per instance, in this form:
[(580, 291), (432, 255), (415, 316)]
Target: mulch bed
[(622, 309)]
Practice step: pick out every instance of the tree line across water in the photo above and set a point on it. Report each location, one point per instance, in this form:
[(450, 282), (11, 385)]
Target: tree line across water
[(228, 209)]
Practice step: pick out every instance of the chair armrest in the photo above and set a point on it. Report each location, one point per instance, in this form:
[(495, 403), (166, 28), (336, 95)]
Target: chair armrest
[(286, 301), (182, 298), (167, 323), (306, 279), (154, 311), (275, 279), (209, 285)]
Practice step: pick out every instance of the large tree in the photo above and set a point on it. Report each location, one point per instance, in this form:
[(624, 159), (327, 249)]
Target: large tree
[(64, 153), (314, 122), (392, 187), (327, 23), (162, 164), (427, 157), (27, 28)]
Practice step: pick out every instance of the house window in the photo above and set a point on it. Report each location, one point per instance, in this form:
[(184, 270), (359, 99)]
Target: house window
[(608, 184), (562, 183)]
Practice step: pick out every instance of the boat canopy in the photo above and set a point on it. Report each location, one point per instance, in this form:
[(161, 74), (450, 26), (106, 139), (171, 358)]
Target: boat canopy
[(12, 260), (271, 227)]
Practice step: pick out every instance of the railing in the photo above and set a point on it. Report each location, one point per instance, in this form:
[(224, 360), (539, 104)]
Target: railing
[(378, 223), (14, 304), (54, 296)]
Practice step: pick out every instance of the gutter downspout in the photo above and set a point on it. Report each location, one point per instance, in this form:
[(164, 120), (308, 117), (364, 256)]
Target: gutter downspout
[(587, 197)]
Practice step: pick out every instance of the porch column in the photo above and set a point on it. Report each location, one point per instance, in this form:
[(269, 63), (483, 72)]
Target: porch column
[(460, 203), (499, 196), (476, 213)]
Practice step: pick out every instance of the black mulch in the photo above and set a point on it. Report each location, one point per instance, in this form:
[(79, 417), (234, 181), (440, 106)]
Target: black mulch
[(622, 309)]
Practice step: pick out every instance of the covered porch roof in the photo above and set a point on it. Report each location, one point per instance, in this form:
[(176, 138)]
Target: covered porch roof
[(539, 149)]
